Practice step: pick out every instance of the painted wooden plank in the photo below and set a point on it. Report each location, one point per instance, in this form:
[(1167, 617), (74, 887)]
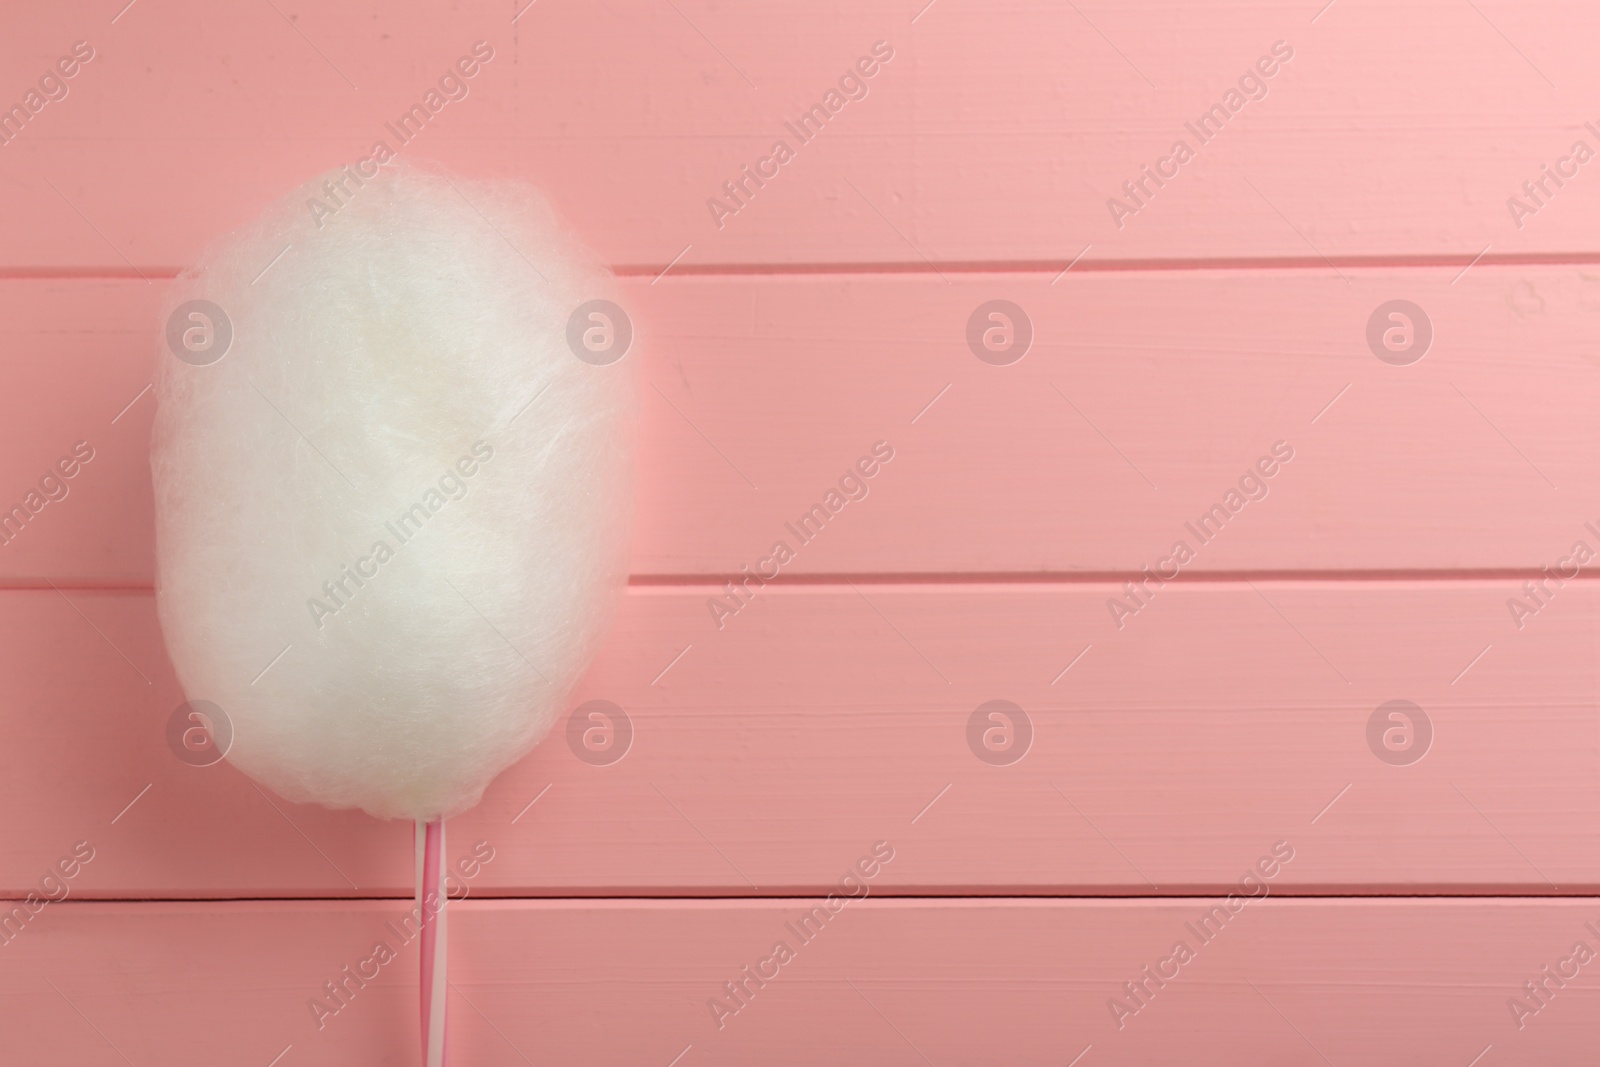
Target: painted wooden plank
[(1089, 455), (996, 133), (895, 982), (757, 756)]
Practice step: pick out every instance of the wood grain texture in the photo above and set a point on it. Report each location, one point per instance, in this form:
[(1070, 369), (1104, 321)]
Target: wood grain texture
[(1143, 400), (996, 134), (893, 982), (1229, 723), (1221, 716)]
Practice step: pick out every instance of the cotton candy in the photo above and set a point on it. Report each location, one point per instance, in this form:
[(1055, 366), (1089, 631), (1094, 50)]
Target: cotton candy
[(392, 516)]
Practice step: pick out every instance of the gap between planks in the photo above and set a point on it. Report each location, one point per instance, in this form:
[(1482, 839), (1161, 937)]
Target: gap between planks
[(1188, 893), (1027, 266), (843, 581)]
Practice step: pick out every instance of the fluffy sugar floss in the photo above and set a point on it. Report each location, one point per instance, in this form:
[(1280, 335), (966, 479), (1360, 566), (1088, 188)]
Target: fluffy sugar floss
[(392, 462)]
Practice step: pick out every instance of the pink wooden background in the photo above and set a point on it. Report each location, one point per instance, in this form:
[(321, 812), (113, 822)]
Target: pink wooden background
[(1167, 756)]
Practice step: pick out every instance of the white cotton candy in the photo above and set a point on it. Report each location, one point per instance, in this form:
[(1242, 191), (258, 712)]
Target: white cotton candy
[(400, 376)]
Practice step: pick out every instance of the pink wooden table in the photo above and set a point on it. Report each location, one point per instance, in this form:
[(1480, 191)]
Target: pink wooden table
[(1320, 788)]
